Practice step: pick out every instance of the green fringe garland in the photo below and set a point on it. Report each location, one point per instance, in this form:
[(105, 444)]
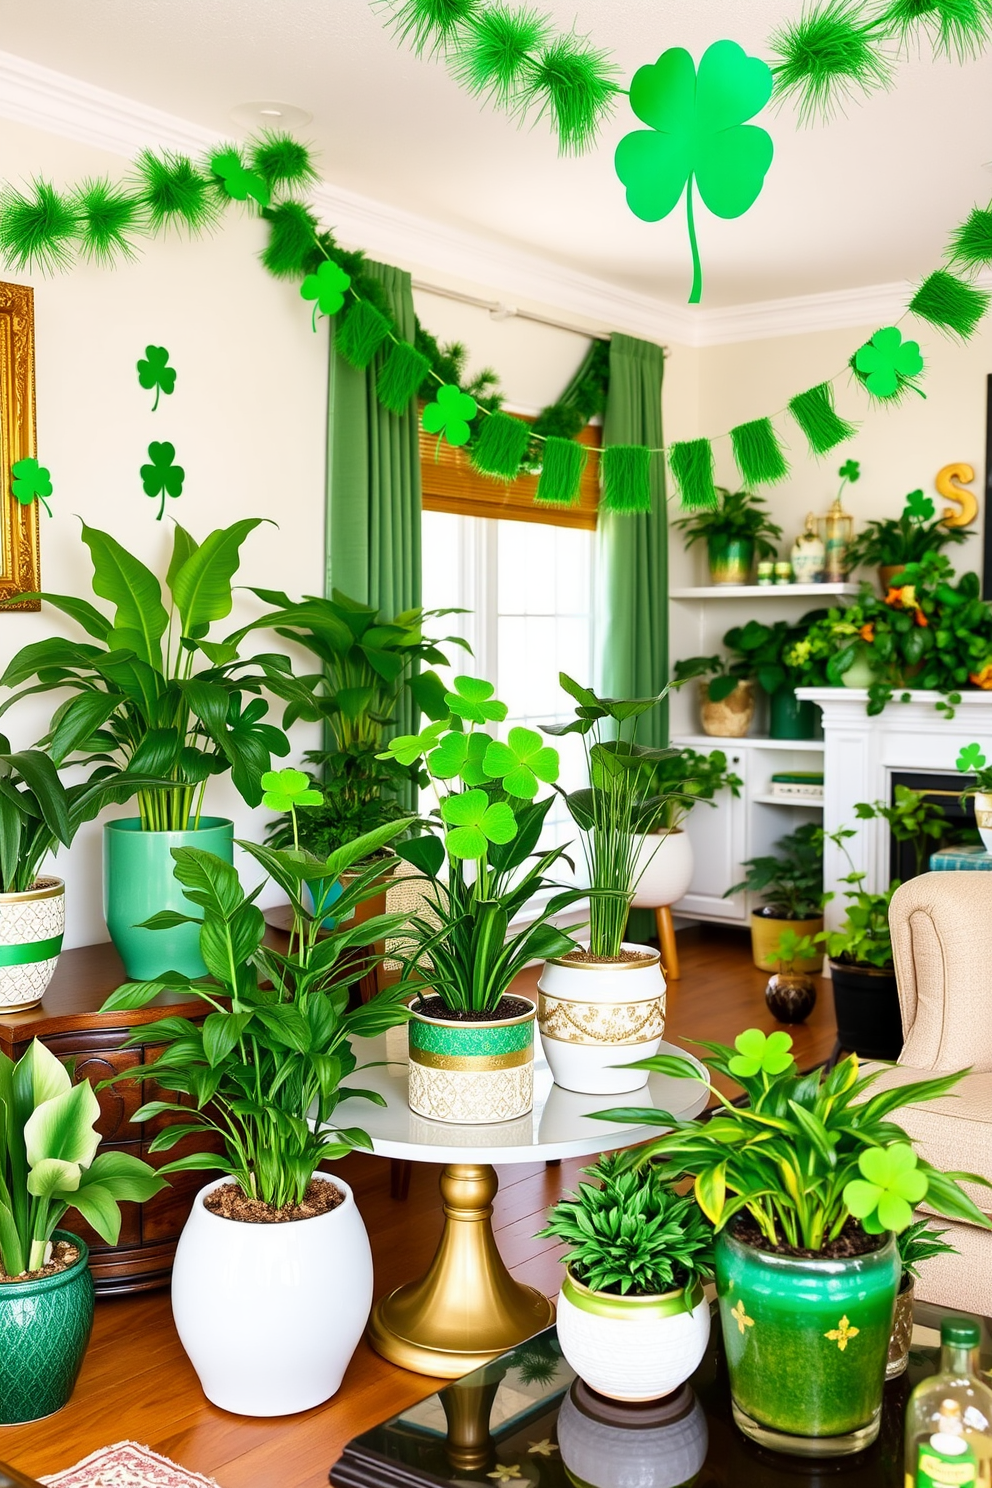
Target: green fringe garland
[(282, 161), (292, 248), (400, 376), (950, 304), (562, 464), (692, 466), (758, 454), (431, 25), (173, 192), (359, 332), (498, 50), (574, 85), (960, 27), (625, 470), (819, 420), (500, 446), (971, 243), (37, 230), (903, 384), (826, 55), (106, 216)]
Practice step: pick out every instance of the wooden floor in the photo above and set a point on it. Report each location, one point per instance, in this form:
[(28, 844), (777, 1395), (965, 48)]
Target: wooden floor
[(137, 1383)]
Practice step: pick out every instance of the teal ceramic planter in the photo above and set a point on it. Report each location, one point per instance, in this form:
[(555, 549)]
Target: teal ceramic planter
[(472, 1073), (44, 1329), (788, 718), (730, 559), (138, 882), (806, 1342)]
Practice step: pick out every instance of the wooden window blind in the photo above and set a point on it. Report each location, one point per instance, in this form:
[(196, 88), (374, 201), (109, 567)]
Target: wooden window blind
[(451, 484)]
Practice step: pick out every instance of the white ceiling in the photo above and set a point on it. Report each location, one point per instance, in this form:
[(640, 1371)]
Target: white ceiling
[(867, 199)]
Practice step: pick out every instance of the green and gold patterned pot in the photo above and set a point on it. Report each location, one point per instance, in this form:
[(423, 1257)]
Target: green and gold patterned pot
[(472, 1073), (807, 1342), (730, 559), (44, 1329)]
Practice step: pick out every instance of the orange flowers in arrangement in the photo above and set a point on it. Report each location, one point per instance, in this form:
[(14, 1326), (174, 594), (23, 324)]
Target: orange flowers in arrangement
[(903, 597), (982, 679)]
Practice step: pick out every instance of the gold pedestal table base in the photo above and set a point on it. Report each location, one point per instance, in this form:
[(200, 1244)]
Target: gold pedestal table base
[(467, 1308)]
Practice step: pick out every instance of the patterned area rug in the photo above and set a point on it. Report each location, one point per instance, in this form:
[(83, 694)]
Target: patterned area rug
[(128, 1465)]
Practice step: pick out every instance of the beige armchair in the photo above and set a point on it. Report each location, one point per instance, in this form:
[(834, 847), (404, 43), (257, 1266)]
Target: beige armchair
[(941, 927)]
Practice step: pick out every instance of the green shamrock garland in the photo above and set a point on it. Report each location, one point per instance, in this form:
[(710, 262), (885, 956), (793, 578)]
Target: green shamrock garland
[(697, 134), (239, 182), (887, 364), (327, 287), (449, 415), (30, 482), (163, 477), (154, 372)]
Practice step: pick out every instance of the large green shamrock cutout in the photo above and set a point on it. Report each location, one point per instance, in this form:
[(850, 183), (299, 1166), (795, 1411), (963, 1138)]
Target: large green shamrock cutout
[(473, 700), (31, 481), (239, 182), (971, 758), (697, 134), (461, 755), (284, 790), (408, 748), (162, 477), (474, 823), (327, 287), (449, 415), (887, 361), (521, 762), (919, 507), (891, 1183), (154, 372), (760, 1053)]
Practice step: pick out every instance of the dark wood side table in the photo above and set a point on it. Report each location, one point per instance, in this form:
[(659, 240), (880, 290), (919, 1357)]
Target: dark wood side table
[(70, 1023)]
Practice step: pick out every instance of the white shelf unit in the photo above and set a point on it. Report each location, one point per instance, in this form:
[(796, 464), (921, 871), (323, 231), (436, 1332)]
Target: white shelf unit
[(734, 829), (767, 591)]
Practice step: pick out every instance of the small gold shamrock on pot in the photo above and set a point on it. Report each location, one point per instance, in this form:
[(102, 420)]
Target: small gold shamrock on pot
[(842, 1334), (740, 1316)]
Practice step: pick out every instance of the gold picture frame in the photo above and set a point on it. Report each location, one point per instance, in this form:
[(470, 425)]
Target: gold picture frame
[(20, 554)]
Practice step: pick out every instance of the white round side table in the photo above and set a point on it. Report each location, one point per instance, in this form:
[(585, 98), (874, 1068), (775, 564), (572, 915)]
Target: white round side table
[(467, 1308)]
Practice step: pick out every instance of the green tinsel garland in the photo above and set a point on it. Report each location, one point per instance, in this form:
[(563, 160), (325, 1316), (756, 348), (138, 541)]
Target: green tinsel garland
[(625, 470), (971, 243), (500, 446), (561, 472), (950, 304), (757, 453), (692, 466), (819, 420), (174, 193), (40, 228), (107, 218), (400, 376), (359, 331)]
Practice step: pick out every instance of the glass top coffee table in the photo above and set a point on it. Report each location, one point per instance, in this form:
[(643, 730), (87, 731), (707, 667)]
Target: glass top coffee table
[(525, 1419)]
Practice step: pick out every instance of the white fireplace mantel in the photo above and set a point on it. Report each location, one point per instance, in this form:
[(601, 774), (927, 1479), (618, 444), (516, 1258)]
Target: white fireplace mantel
[(860, 754)]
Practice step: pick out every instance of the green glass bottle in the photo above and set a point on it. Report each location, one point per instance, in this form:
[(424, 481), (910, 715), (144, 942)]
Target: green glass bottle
[(949, 1416)]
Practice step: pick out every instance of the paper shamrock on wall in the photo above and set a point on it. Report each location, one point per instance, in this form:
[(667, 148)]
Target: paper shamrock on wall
[(154, 372), (31, 482), (970, 758), (327, 287), (238, 182), (163, 477), (449, 415), (920, 507), (697, 136), (887, 364)]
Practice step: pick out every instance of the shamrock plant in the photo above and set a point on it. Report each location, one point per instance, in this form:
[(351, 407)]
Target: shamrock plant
[(450, 415), (154, 372), (485, 826), (805, 1155), (31, 482), (697, 136), (971, 760), (326, 287), (162, 477), (285, 790), (887, 364)]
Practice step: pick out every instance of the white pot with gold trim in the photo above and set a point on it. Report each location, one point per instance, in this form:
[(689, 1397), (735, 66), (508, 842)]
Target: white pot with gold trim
[(32, 924), (597, 1015), (470, 1072), (983, 818)]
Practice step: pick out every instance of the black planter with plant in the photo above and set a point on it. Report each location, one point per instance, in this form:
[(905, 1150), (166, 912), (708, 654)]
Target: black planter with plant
[(736, 530)]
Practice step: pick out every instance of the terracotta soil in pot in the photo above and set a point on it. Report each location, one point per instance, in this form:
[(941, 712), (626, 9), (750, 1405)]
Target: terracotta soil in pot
[(229, 1202), (64, 1255), (852, 1241), (507, 1007)]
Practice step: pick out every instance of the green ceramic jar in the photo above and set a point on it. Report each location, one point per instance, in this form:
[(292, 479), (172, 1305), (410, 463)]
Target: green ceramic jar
[(44, 1329), (138, 881), (730, 559), (788, 718), (806, 1342)]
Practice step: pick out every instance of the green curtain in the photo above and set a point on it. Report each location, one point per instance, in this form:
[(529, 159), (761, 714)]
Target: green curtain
[(373, 483), (634, 549)]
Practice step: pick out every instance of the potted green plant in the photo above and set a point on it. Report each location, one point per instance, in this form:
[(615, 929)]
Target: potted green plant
[(790, 881), (971, 760), (764, 648), (141, 704), (632, 1319), (607, 995), (891, 543), (807, 1180), (790, 992), (272, 1282), (726, 693), (49, 1164), (837, 649), (664, 865), (918, 1243), (471, 1040), (736, 530)]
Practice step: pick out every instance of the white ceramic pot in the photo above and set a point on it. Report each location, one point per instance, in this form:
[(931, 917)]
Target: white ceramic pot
[(31, 929), (658, 1445), (631, 1348), (596, 1017), (664, 869), (983, 818), (270, 1314), (472, 1073)]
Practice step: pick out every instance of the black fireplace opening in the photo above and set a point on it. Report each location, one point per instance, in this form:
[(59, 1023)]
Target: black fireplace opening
[(942, 790)]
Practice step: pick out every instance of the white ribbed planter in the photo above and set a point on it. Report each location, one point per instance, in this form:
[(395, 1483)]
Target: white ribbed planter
[(31, 929), (631, 1348), (596, 1016), (270, 1314), (664, 869)]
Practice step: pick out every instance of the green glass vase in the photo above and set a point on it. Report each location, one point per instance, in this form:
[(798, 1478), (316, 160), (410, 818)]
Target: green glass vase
[(44, 1329), (807, 1342), (138, 882)]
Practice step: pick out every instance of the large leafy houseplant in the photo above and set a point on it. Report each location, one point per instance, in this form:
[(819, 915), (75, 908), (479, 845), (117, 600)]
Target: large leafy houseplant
[(685, 778), (790, 879), (738, 516), (894, 542)]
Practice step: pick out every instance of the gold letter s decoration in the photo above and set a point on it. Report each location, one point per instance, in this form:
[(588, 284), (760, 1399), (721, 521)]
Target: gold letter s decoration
[(947, 484)]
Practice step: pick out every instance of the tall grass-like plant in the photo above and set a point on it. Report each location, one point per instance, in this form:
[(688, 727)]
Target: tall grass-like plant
[(803, 1154)]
